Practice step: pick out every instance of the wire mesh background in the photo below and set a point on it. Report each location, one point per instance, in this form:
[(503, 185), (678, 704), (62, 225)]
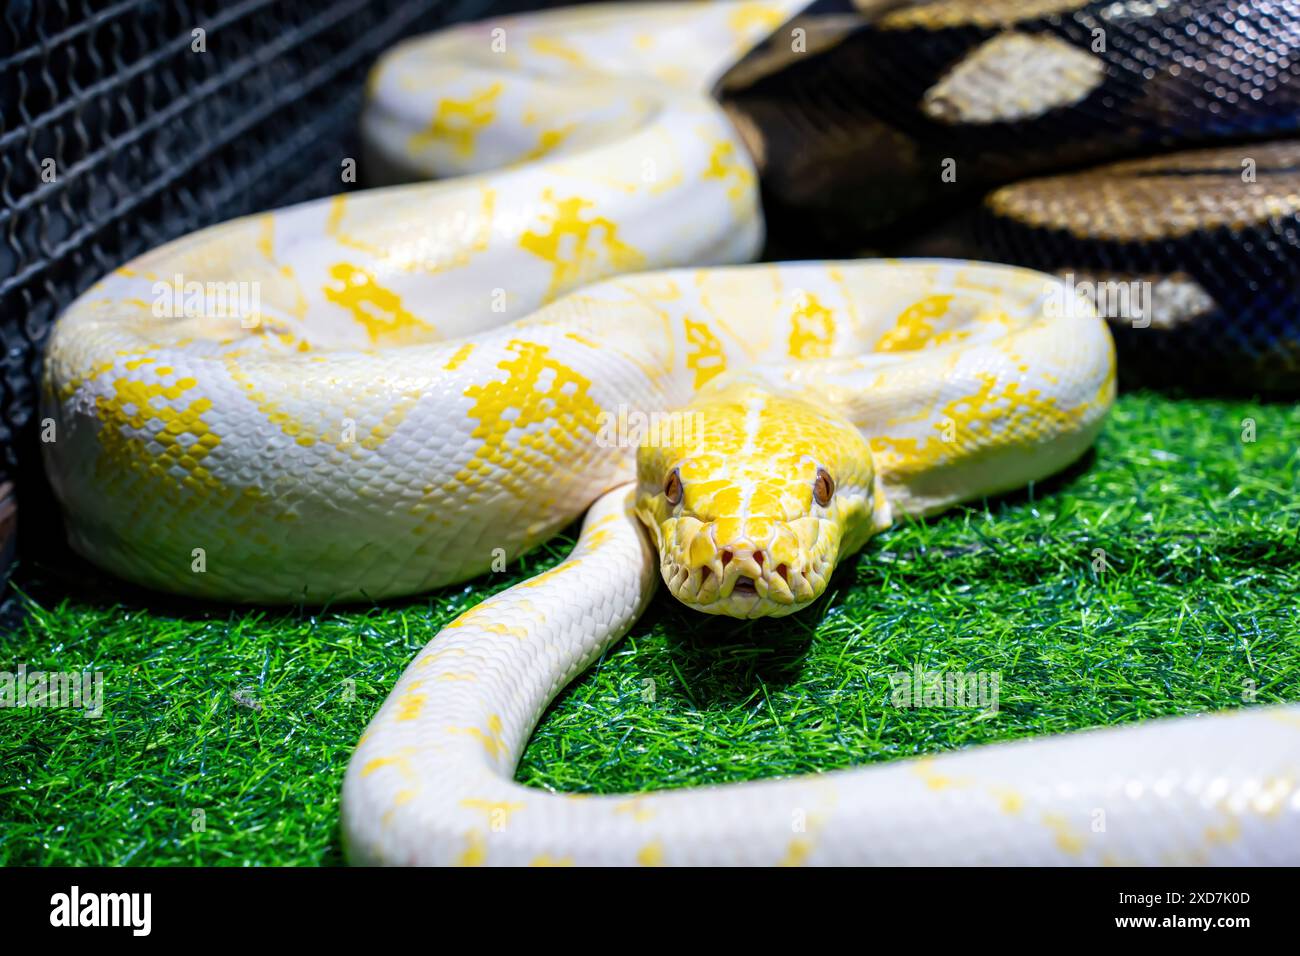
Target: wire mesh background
[(117, 134)]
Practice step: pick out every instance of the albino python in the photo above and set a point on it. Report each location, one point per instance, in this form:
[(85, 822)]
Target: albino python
[(423, 380)]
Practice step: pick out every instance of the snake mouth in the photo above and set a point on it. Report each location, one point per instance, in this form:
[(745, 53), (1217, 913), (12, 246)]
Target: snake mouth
[(771, 574), (773, 592)]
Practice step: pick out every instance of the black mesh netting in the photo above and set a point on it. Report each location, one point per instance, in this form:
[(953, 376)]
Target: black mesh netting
[(117, 134)]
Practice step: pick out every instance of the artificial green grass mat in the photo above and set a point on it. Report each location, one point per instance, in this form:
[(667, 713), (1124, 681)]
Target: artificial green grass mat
[(226, 733)]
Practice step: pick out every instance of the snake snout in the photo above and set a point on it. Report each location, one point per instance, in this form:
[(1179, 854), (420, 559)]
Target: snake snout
[(744, 577)]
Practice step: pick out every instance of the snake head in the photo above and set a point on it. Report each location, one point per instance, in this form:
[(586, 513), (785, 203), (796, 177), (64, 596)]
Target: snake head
[(752, 498)]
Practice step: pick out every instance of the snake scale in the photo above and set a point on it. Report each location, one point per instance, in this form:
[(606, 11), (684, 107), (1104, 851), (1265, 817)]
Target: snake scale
[(425, 379)]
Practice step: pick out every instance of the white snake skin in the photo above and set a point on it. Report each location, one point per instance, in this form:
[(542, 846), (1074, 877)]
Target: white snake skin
[(418, 391)]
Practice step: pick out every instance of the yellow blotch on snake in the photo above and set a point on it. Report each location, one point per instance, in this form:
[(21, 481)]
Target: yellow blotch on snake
[(550, 46), (967, 420), (1009, 801), (812, 329), (458, 122), (375, 308), (1230, 831), (491, 740), (796, 853), (495, 809), (1066, 839), (287, 424), (765, 17), (400, 760), (724, 165), (706, 357), (506, 630), (410, 704), (934, 780), (578, 248), (459, 357), (564, 402), (652, 854), (475, 853), (549, 140), (547, 576), (132, 408), (636, 808), (915, 325)]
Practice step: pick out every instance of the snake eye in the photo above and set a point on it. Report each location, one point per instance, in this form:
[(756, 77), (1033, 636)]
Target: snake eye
[(673, 488), (823, 487)]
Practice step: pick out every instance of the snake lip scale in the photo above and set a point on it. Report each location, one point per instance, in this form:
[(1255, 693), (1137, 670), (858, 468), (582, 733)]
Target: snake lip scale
[(421, 388)]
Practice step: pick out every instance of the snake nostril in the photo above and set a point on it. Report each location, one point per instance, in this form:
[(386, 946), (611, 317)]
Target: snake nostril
[(705, 573), (758, 558), (783, 572), (726, 558)]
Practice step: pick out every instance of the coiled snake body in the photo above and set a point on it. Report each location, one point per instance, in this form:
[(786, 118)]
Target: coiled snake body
[(431, 377)]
